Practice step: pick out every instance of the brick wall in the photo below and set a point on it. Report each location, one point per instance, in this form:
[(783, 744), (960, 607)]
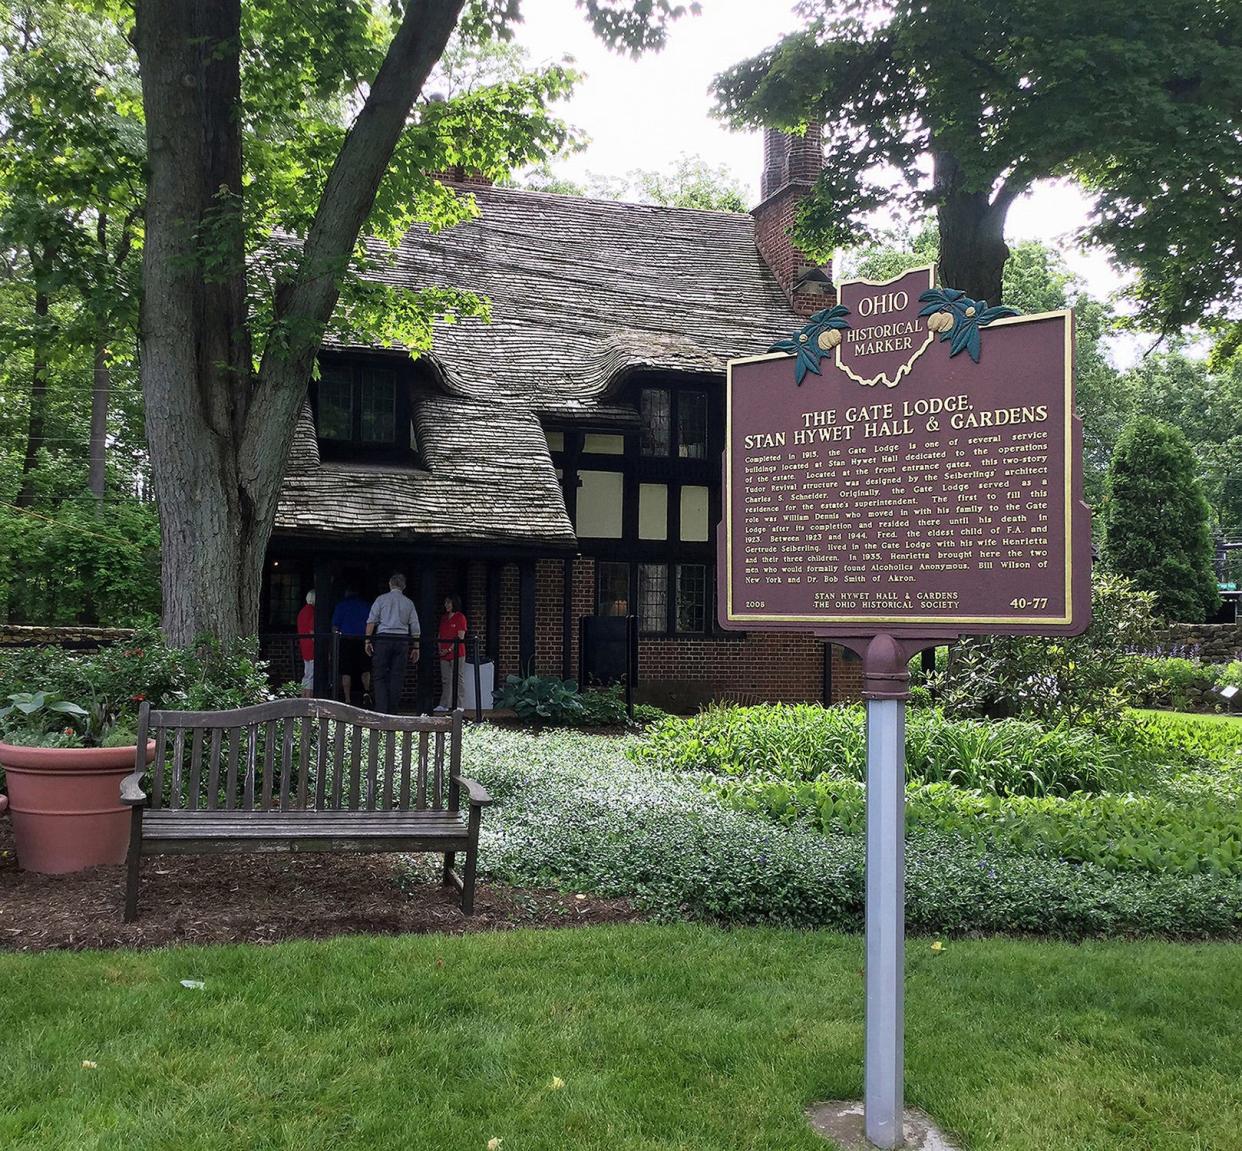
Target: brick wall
[(476, 601), (584, 601), (549, 587), (684, 672), (846, 675), (791, 159), (507, 662), (771, 666)]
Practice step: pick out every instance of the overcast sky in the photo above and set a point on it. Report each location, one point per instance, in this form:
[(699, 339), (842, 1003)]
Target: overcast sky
[(645, 113)]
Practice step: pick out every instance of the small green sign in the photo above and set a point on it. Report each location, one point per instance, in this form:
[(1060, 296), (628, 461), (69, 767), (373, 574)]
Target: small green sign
[(1230, 586)]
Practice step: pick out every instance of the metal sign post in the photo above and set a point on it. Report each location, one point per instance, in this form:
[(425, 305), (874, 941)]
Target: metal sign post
[(885, 680), (886, 684)]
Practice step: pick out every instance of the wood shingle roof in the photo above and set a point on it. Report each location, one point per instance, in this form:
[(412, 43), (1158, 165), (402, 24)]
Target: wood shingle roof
[(584, 293)]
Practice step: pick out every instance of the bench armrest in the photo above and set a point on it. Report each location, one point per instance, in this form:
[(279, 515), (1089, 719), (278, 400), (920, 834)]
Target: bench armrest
[(131, 788), (475, 791)]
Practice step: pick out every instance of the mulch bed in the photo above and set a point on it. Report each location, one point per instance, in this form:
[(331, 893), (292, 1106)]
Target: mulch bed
[(263, 899)]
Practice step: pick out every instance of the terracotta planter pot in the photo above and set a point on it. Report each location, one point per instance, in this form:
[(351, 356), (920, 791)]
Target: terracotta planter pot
[(65, 803)]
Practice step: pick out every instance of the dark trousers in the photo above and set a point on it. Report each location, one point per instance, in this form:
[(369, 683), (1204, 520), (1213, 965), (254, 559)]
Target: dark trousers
[(392, 652)]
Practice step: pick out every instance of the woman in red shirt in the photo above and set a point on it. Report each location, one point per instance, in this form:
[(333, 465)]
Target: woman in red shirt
[(452, 633)]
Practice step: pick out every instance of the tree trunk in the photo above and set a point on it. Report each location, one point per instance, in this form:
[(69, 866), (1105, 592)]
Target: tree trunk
[(195, 344), (37, 415), (218, 436), (101, 386), (972, 232), (101, 377)]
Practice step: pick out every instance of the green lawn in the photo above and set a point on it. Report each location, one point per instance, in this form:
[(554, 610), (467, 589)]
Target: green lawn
[(665, 1037), (1189, 718)]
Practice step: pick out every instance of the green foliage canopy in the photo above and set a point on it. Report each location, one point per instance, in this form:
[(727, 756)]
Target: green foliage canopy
[(1138, 99), (72, 182), (691, 183), (66, 564), (1036, 279), (1206, 406), (482, 113)]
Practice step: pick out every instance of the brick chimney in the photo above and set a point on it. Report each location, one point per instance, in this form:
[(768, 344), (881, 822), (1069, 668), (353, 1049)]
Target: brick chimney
[(460, 175), (791, 165)]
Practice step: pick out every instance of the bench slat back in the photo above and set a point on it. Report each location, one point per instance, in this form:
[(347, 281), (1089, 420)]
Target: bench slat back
[(301, 754)]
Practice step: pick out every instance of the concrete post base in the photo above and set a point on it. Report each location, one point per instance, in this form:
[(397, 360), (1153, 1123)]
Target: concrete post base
[(842, 1122)]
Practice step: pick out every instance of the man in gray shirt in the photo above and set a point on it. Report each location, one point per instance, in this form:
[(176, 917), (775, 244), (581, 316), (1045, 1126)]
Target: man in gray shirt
[(392, 638)]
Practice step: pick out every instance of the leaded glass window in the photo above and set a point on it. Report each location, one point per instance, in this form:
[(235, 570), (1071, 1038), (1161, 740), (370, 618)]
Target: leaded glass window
[(692, 425), (691, 597), (657, 417), (284, 598), (379, 408), (653, 597), (614, 589), (336, 404)]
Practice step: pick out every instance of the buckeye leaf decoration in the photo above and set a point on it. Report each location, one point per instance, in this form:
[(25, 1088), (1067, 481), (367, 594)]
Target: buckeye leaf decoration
[(968, 317), (814, 340)]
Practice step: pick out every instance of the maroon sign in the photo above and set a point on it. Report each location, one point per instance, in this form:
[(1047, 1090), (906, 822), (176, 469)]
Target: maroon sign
[(913, 468)]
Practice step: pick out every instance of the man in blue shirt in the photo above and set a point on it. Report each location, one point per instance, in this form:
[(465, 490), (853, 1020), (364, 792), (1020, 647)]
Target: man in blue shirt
[(392, 638), (349, 618)]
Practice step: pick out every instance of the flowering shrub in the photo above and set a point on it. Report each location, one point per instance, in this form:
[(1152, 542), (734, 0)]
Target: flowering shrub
[(1074, 678), (1176, 682)]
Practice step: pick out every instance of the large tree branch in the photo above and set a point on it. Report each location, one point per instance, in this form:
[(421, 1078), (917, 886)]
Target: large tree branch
[(1009, 190), (304, 307), (126, 241)]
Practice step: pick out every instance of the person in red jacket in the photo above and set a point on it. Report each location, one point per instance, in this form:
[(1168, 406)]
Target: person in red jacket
[(306, 643), (452, 652)]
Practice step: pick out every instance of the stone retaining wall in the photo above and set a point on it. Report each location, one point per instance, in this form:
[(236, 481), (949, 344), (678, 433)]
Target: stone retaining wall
[(74, 637), (1209, 642)]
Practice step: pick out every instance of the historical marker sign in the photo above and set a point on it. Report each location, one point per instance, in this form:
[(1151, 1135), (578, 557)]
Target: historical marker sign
[(911, 473), (905, 468)]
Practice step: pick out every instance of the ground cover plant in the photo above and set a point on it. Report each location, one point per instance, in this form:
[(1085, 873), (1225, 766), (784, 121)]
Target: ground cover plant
[(1165, 737), (575, 811), (614, 1039), (1157, 794), (1004, 757)]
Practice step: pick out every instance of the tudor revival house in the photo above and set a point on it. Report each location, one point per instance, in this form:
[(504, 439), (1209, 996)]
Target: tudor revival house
[(563, 461)]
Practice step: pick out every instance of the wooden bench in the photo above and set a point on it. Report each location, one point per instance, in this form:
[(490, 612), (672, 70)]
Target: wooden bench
[(301, 775)]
